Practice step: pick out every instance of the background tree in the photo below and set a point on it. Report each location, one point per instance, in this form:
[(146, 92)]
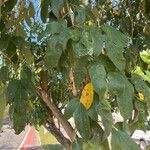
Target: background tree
[(56, 53)]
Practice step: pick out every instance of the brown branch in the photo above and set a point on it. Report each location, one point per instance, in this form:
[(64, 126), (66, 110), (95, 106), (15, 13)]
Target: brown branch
[(72, 80), (44, 80), (57, 113), (51, 127), (43, 92)]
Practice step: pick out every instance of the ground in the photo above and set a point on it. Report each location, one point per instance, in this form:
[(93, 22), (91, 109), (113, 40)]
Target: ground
[(29, 139)]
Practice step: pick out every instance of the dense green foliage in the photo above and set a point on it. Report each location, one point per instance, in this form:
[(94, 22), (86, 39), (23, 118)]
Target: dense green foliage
[(58, 46)]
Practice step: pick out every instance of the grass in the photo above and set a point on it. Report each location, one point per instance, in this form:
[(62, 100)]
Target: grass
[(48, 141)]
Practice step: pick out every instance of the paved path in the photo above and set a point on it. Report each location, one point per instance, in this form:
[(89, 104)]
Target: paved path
[(9, 140), (26, 140), (31, 140)]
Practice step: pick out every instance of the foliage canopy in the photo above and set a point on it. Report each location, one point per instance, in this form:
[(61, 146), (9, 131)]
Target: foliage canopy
[(50, 49)]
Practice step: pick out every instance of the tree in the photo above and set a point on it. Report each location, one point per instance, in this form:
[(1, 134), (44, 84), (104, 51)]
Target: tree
[(56, 52)]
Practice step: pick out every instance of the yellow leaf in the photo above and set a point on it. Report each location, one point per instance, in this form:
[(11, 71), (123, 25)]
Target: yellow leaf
[(87, 95), (141, 96)]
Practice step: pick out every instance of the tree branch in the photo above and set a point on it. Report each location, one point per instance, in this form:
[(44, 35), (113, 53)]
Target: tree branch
[(51, 127), (57, 113)]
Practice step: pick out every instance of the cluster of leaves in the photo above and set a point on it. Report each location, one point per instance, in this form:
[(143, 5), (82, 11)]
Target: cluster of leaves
[(98, 40)]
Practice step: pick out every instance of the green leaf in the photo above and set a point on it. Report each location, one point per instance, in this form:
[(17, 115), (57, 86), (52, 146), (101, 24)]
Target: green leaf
[(92, 113), (4, 41), (44, 9), (26, 51), (27, 80), (98, 40), (122, 141), (53, 53), (19, 117), (56, 7), (79, 74), (26, 73), (71, 107), (98, 133), (106, 62), (77, 144), (81, 15), (115, 45), (75, 34), (11, 52), (87, 42), (59, 32), (4, 74), (120, 39), (120, 86), (100, 2), (98, 77), (55, 27), (125, 102), (79, 49), (16, 90), (19, 105), (115, 83), (104, 110), (82, 121), (8, 6), (115, 53), (140, 105), (21, 94), (95, 144), (17, 96), (141, 87), (59, 29), (11, 90), (56, 43)]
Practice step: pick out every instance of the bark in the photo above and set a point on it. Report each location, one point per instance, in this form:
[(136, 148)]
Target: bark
[(72, 80), (51, 127), (47, 99), (57, 113)]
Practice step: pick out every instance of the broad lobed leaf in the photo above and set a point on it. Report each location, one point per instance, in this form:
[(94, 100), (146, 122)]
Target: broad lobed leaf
[(104, 110), (122, 141), (71, 107), (82, 121), (123, 89), (98, 77)]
